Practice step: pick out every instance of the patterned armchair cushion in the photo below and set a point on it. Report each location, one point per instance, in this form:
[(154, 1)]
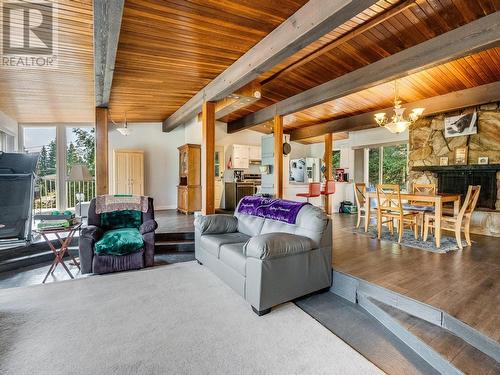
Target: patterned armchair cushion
[(120, 241), (121, 219)]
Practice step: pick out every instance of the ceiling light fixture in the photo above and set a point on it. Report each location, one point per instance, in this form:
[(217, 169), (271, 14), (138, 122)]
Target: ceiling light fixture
[(124, 130), (398, 123)]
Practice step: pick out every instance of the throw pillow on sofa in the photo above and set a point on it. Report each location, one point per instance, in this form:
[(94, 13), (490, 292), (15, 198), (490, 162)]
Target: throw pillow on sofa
[(121, 241)]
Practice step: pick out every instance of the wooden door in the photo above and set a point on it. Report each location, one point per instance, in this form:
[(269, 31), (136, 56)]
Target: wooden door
[(121, 173), (136, 170)]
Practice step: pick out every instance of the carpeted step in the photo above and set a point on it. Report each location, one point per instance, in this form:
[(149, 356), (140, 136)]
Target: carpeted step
[(453, 350), (174, 236), (24, 260)]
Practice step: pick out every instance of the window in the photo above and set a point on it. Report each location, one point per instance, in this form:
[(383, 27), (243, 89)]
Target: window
[(60, 148), (373, 167), (394, 165), (388, 165), (336, 159)]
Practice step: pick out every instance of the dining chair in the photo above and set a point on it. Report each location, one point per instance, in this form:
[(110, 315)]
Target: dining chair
[(329, 189), (314, 191), (422, 208), (459, 222), (360, 196), (389, 207)]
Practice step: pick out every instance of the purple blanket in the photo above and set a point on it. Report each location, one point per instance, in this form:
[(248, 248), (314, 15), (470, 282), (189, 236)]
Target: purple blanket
[(269, 208)]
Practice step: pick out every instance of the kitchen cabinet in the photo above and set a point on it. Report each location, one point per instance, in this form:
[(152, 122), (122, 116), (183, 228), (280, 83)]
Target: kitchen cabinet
[(254, 153), (241, 157), (128, 168)]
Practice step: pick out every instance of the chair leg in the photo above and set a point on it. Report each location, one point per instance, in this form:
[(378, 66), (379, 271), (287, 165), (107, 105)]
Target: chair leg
[(400, 230), (415, 227), (390, 224), (458, 238), (379, 225), (467, 232), (359, 219)]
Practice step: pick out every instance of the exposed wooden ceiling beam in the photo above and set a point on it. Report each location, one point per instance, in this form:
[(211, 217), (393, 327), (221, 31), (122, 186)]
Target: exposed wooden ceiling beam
[(337, 42), (107, 24), (309, 23), (241, 98), (463, 41), (438, 104)]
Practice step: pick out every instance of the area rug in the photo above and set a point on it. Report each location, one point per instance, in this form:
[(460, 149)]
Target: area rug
[(175, 319), (447, 243)]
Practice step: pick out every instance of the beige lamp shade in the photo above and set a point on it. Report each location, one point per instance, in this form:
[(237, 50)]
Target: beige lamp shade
[(79, 172)]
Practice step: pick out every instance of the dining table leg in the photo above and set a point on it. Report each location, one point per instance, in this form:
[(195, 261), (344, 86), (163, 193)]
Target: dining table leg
[(437, 221), (367, 213)]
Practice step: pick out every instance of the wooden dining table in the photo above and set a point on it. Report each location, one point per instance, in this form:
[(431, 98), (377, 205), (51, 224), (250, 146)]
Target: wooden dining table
[(437, 200)]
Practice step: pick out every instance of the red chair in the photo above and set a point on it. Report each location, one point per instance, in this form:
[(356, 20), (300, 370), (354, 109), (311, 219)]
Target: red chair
[(329, 188), (314, 191)]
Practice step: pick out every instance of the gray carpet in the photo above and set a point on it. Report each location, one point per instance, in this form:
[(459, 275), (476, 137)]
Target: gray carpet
[(175, 319), (447, 243)]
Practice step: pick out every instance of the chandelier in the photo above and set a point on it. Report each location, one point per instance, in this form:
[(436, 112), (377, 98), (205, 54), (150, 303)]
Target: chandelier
[(398, 122)]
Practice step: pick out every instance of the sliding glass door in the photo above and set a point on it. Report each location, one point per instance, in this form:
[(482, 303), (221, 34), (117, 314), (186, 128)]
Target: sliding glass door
[(43, 140)]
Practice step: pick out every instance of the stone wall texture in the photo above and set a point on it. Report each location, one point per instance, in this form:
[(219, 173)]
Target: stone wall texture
[(428, 144)]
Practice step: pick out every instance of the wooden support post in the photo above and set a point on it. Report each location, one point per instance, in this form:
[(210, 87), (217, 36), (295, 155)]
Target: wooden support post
[(208, 157), (328, 166), (101, 151), (278, 156)]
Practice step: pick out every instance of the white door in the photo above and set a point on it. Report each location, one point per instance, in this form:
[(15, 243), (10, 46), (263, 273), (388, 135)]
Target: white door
[(122, 183), (136, 164)]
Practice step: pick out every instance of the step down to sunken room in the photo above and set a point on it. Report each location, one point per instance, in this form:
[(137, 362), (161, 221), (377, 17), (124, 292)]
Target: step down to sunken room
[(174, 242), (446, 352)]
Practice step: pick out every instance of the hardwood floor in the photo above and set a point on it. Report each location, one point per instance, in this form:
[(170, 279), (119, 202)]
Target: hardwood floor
[(466, 283)]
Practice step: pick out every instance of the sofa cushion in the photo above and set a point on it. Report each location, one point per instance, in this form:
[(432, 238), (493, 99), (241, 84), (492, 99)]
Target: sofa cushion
[(119, 242), (212, 242), (276, 245), (232, 256), (311, 222), (121, 219), (248, 224)]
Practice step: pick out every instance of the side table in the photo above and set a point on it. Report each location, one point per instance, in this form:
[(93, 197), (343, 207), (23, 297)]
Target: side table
[(59, 252)]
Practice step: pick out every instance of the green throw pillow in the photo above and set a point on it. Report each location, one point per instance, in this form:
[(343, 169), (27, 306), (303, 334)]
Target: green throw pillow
[(121, 241), (121, 219)]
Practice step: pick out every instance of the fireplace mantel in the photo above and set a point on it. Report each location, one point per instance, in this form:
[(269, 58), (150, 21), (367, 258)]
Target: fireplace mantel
[(458, 168)]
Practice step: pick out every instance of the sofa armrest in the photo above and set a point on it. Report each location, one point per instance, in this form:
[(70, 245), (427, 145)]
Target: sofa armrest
[(216, 224), (148, 226), (88, 237), (92, 232), (276, 245)]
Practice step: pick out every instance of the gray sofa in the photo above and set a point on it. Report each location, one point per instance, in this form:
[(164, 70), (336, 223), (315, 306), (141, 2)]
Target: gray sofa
[(266, 261)]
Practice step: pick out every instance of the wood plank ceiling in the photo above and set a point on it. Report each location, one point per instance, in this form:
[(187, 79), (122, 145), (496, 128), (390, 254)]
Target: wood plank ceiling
[(422, 20), (61, 94), (169, 50)]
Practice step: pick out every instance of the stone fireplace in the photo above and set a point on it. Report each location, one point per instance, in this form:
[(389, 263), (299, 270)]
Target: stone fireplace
[(428, 145)]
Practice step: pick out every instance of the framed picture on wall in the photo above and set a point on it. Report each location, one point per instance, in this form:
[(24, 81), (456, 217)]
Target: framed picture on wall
[(443, 160), (456, 126), (461, 155)]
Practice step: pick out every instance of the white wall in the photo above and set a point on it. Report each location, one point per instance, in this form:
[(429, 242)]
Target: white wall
[(161, 169)]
